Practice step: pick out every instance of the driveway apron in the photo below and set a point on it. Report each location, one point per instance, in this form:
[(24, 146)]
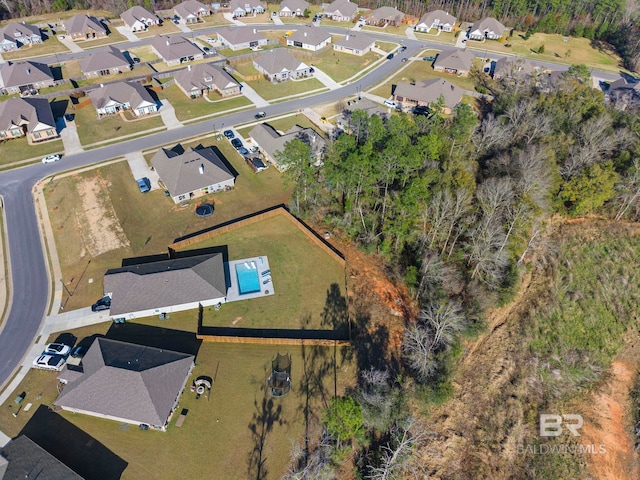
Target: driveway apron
[(69, 135)]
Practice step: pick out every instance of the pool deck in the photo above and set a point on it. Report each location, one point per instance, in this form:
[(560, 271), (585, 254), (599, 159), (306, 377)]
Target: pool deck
[(233, 292)]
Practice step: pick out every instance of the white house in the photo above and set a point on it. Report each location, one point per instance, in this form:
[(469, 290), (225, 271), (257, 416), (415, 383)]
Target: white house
[(120, 96), (242, 8), (313, 39), (138, 19), (438, 20)]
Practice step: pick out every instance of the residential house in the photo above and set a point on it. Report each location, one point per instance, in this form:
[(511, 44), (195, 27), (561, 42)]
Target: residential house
[(198, 80), (30, 117), (293, 8), (242, 8), (486, 28), (343, 121), (175, 49), (428, 93), (314, 39), (138, 18), (341, 11), (624, 94), (25, 78), (456, 62), (384, 16), (354, 43), (239, 38), (125, 382), (190, 11), (117, 97), (279, 65), (192, 174), (438, 20), (22, 458), (271, 142), (512, 68), (84, 27), (107, 62), (15, 35)]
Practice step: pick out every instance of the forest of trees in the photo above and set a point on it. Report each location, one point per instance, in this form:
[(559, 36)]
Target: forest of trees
[(452, 206)]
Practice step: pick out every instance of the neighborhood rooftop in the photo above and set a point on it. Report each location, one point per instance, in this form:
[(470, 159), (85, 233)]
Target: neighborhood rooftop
[(35, 111), (105, 60)]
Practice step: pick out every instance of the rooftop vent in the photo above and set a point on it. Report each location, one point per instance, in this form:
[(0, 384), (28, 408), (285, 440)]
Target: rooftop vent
[(201, 169)]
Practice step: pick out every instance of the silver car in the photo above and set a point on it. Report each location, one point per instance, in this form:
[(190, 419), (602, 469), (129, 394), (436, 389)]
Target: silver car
[(49, 362)]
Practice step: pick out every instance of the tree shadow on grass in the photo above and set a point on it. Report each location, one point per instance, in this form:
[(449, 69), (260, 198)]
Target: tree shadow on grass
[(371, 343)]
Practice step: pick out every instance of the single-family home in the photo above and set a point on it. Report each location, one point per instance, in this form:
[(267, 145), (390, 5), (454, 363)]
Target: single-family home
[(242, 8), (125, 382), (117, 97), (511, 68), (15, 35), (107, 62), (314, 39), (84, 27), (428, 93), (293, 8), (438, 20), (344, 120), (455, 62), (25, 78), (138, 18), (384, 16), (192, 174), (486, 28), (341, 11), (624, 94), (271, 142), (190, 11), (21, 457), (239, 38), (30, 117), (175, 49), (200, 79), (354, 43), (279, 65)]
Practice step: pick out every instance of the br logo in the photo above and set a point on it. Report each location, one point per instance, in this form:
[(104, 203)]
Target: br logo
[(552, 425)]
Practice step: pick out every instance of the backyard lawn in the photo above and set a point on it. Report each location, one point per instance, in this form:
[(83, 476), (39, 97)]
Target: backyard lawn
[(193, 110), (285, 123), (18, 149)]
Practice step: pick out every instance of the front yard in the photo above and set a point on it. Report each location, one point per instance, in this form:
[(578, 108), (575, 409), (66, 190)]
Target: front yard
[(192, 110), (339, 66), (18, 149), (271, 91), (47, 47)]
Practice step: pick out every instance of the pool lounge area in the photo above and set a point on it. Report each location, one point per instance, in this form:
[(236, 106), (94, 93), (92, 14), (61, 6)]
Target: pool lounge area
[(250, 278)]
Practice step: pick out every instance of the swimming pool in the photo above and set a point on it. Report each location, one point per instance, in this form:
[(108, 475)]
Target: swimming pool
[(247, 274)]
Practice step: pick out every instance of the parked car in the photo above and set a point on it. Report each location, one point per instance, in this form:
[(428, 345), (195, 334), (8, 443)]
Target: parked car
[(49, 362), (229, 134), (243, 151), (390, 103), (78, 352), (236, 142), (404, 59), (144, 184), (261, 115), (136, 60), (429, 59), (402, 49), (390, 56), (56, 349), (51, 158), (103, 304)]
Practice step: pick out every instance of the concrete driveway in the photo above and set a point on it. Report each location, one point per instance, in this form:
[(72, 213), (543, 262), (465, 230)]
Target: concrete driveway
[(127, 33), (69, 135), (183, 27), (70, 44), (140, 168), (252, 95), (326, 80), (229, 17), (168, 115)]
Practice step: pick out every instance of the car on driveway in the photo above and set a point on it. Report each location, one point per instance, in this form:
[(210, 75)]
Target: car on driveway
[(51, 158), (49, 362), (243, 151), (103, 304), (429, 59), (229, 134), (144, 184), (237, 143), (78, 352), (56, 349)]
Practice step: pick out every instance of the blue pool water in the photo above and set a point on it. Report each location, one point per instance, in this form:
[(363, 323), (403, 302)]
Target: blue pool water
[(247, 274)]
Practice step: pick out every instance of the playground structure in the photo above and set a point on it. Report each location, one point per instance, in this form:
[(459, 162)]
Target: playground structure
[(279, 382)]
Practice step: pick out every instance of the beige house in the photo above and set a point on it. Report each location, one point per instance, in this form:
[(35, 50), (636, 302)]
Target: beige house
[(109, 62), (30, 117), (190, 11), (84, 27), (512, 68), (429, 93), (138, 18), (455, 62), (341, 11), (354, 43), (279, 65), (199, 80), (384, 16), (293, 8), (240, 38), (242, 8), (117, 97), (25, 78), (313, 39), (175, 49), (271, 142), (488, 28)]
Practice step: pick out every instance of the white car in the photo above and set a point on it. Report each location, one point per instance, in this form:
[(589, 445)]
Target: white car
[(49, 362), (51, 158), (390, 103), (56, 349)]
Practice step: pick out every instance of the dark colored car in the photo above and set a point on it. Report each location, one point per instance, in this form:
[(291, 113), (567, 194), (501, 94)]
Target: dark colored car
[(144, 184), (390, 56), (103, 304), (404, 59), (78, 352), (244, 152), (236, 142), (429, 59), (402, 49), (229, 134)]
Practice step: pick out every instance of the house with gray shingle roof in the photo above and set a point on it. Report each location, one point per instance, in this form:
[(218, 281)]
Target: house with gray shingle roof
[(384, 16), (117, 97), (22, 458), (271, 142), (486, 28), (106, 62), (138, 18), (84, 27), (313, 39), (27, 116), (279, 65), (25, 77), (175, 49), (190, 11), (437, 19), (192, 174), (428, 93), (293, 8), (15, 35), (127, 383), (341, 11), (200, 79), (242, 8), (354, 43), (512, 68), (239, 38), (455, 62)]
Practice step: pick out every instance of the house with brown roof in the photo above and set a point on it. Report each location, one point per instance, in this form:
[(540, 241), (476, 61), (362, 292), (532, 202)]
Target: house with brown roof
[(21, 458), (25, 78), (511, 68), (488, 27), (455, 62), (200, 79), (127, 383), (107, 62), (384, 16), (239, 38), (84, 27), (15, 35), (293, 8), (429, 93), (192, 174), (242, 8), (438, 20), (117, 97), (314, 39), (354, 43), (279, 65), (30, 117), (175, 49), (624, 94), (138, 18), (271, 142), (190, 11), (341, 11)]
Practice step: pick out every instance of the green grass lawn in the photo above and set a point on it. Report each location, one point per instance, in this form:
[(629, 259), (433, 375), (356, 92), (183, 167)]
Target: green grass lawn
[(165, 28), (47, 47), (387, 46), (188, 109), (339, 66), (272, 91), (228, 53), (113, 38), (284, 124), (448, 38), (144, 53), (245, 68), (389, 30), (18, 149)]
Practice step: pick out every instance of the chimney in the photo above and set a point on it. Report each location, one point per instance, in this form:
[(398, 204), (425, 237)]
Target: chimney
[(102, 85), (201, 169), (305, 34), (167, 42)]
